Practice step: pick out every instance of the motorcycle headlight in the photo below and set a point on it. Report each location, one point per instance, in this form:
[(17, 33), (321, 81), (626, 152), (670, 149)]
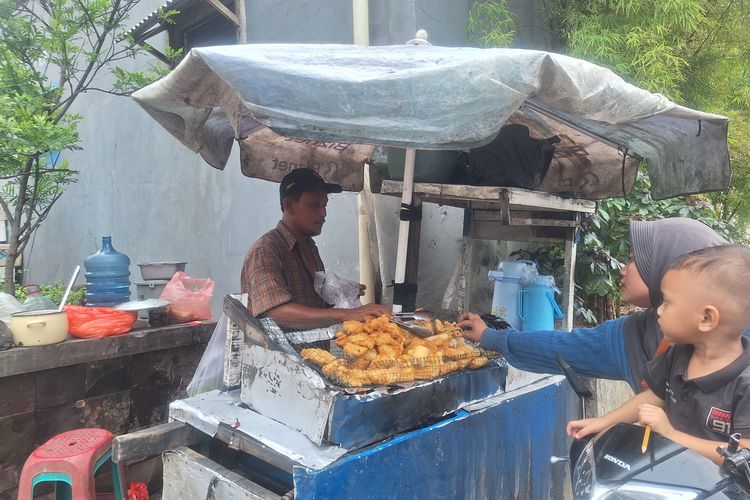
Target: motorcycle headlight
[(585, 485), (633, 490)]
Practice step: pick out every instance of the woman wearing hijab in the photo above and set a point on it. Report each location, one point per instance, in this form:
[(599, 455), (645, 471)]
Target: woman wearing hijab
[(617, 349)]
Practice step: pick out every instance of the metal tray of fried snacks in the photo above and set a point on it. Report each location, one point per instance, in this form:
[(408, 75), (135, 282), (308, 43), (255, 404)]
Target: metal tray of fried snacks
[(279, 384), (406, 383), (378, 352)]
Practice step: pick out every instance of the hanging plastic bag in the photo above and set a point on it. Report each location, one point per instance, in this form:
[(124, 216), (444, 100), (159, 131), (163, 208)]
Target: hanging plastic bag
[(210, 372), (190, 297), (9, 305), (338, 292), (98, 322)]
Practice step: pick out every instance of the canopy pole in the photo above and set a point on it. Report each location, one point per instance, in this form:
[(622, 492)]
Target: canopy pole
[(407, 196), (366, 267), (361, 22), (361, 35)]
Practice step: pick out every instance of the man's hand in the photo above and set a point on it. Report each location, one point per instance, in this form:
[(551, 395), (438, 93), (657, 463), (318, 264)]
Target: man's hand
[(472, 325), (656, 418), (362, 289), (581, 428), (359, 313)]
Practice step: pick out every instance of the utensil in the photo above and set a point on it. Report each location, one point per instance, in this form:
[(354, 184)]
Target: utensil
[(419, 331), (67, 290), (143, 305), (420, 315)]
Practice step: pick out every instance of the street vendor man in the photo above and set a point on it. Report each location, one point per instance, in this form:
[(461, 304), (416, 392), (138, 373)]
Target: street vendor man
[(279, 270)]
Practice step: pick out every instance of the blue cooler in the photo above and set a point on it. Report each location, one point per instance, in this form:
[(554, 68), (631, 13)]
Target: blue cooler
[(509, 279), (538, 307)]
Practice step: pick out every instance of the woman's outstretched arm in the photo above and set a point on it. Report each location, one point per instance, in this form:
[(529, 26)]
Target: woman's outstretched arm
[(591, 352)]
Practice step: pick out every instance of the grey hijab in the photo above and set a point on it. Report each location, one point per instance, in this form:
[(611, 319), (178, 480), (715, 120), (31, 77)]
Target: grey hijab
[(656, 244)]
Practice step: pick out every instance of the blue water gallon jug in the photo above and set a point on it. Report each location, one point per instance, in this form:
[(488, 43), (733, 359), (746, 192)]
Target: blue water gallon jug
[(107, 276), (538, 307)]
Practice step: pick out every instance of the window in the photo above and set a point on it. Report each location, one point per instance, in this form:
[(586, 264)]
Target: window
[(198, 23), (201, 27)]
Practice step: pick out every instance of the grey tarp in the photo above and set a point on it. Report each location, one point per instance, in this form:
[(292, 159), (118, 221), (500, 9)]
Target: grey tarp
[(428, 98)]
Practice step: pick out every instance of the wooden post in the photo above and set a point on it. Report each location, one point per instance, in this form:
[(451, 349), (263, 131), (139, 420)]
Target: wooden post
[(464, 273), (568, 291), (239, 11), (412, 254), (407, 195)]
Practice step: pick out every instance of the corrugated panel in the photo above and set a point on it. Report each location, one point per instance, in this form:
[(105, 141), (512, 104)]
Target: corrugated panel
[(500, 451)]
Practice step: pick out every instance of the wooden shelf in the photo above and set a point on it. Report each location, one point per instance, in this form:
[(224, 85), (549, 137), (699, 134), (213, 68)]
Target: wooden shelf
[(464, 196), (504, 213)]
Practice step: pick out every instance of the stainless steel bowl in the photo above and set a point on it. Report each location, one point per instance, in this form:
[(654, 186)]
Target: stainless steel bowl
[(160, 270)]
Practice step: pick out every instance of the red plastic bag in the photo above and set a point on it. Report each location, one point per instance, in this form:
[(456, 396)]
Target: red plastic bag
[(190, 297), (98, 322)]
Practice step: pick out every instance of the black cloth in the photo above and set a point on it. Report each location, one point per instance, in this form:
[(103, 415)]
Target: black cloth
[(710, 407), (513, 158), (656, 245)]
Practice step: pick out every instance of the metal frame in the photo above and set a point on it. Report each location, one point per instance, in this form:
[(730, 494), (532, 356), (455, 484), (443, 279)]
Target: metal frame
[(503, 213)]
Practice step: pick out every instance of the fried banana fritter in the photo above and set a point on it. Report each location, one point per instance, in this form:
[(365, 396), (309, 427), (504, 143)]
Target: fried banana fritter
[(379, 352)]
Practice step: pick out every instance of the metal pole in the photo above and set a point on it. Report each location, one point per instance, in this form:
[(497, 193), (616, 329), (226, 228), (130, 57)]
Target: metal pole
[(361, 22), (407, 196), (361, 35)]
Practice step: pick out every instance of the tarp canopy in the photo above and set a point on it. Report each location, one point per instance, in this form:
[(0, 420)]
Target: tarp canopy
[(331, 101)]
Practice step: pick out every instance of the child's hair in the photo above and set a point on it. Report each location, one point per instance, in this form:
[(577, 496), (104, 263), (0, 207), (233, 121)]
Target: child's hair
[(725, 266)]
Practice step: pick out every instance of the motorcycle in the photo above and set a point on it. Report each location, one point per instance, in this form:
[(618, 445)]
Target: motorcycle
[(612, 465)]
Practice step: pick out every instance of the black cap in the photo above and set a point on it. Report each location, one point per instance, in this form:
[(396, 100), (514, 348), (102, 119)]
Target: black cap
[(305, 179)]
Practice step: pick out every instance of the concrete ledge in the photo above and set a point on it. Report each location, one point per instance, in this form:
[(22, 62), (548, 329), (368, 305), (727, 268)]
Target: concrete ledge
[(18, 360)]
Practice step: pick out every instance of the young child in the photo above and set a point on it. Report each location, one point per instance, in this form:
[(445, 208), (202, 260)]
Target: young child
[(700, 387)]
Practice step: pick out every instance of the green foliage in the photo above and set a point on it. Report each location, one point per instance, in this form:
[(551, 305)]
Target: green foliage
[(51, 52), (128, 82), (733, 203), (604, 246), (694, 51), (645, 41), (55, 292), (490, 24)]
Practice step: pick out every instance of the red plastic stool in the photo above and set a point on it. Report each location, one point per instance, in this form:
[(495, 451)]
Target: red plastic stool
[(70, 460)]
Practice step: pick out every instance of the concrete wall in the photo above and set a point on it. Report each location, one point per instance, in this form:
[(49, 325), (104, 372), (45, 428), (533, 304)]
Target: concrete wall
[(160, 201)]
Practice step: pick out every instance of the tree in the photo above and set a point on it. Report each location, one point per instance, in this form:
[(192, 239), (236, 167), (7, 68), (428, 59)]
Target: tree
[(52, 52), (696, 53)]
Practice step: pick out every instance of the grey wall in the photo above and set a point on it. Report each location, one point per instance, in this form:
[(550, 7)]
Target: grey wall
[(160, 201), (393, 22), (299, 21), (532, 31)]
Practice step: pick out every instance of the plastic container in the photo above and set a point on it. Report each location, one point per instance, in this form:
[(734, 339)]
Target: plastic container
[(35, 328), (538, 306), (161, 270), (107, 276), (509, 279), (429, 165), (35, 301), (145, 290)]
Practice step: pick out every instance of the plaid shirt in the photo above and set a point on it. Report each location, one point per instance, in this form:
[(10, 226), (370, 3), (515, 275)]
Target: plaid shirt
[(274, 273)]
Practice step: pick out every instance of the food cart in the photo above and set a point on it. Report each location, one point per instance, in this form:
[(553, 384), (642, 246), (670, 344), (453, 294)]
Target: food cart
[(477, 433)]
